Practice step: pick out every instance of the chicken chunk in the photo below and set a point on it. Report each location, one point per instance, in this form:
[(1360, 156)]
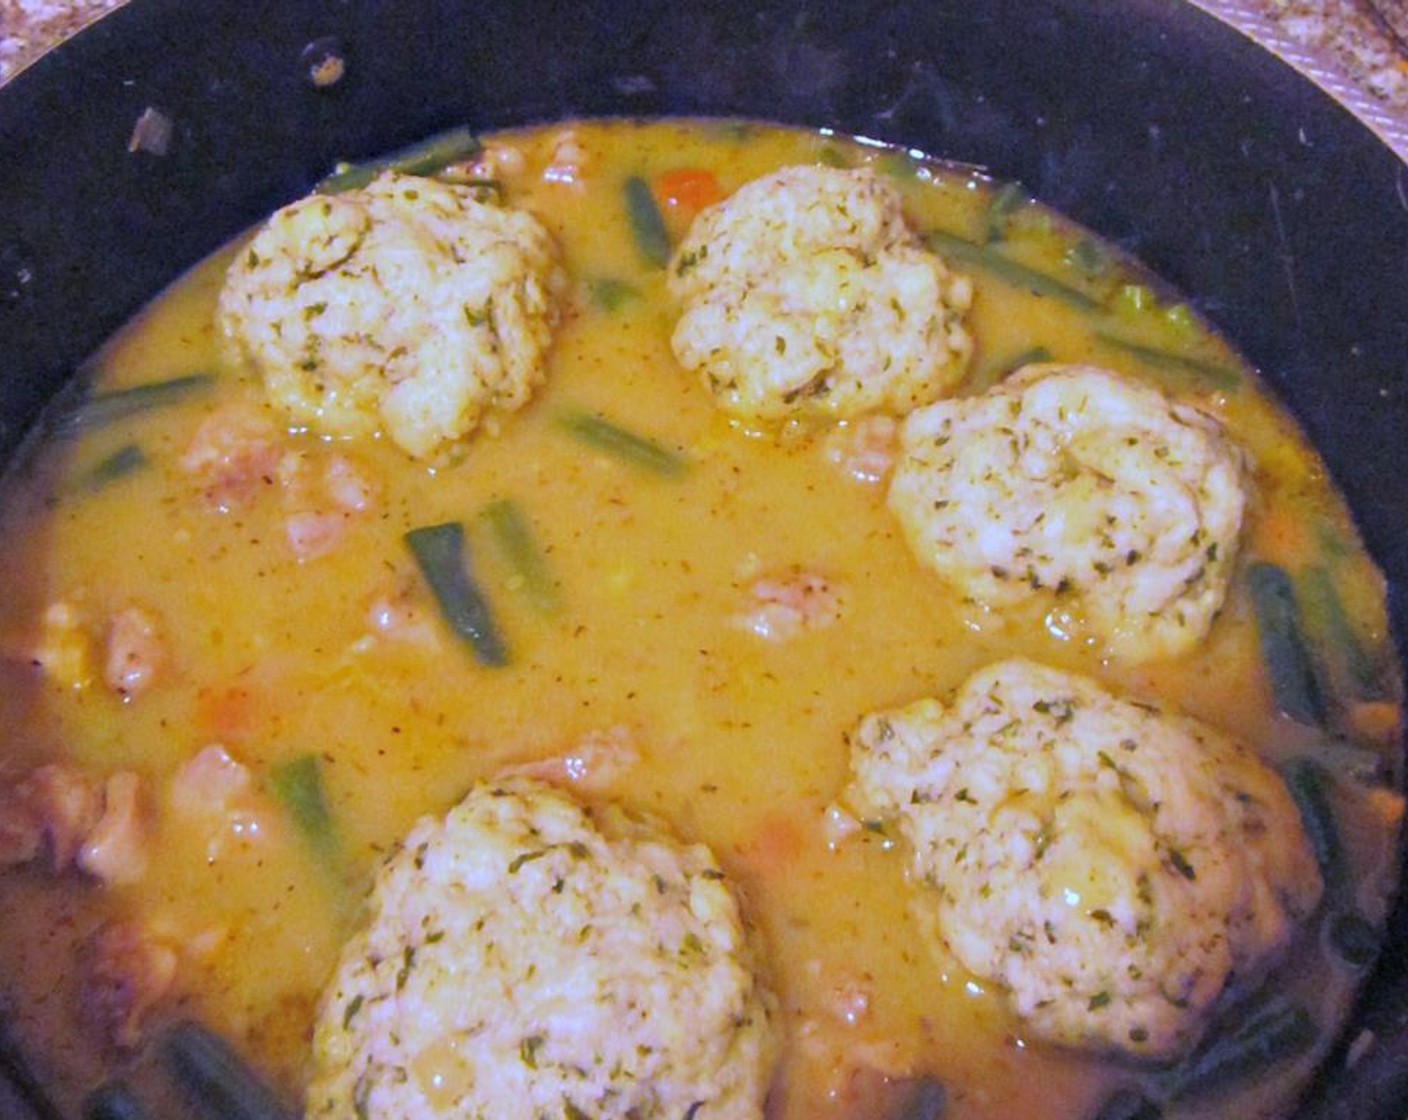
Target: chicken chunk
[(1074, 481), (805, 293), (77, 820), (526, 958), (1112, 867), (407, 307), (126, 972), (136, 651)]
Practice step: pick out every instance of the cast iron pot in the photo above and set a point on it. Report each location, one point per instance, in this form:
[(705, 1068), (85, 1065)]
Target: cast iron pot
[(1283, 219)]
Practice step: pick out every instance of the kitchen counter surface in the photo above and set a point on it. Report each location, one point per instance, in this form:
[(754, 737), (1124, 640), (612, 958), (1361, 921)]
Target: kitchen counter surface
[(1346, 46)]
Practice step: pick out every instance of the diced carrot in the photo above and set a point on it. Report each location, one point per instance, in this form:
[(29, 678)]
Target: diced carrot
[(1385, 804), (1284, 536), (226, 714), (687, 190), (775, 848), (1376, 720)]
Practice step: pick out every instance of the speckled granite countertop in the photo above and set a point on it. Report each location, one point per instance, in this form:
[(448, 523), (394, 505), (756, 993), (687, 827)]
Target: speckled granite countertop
[(1346, 46)]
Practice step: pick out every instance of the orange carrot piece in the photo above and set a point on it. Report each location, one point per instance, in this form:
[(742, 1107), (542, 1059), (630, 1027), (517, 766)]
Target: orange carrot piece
[(687, 190)]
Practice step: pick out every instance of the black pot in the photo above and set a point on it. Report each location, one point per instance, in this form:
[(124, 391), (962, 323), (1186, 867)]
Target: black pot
[(1283, 218)]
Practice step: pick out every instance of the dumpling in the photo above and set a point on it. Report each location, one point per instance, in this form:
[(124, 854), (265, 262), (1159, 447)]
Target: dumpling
[(526, 958), (406, 307), (1077, 482), (1110, 866), (805, 293)]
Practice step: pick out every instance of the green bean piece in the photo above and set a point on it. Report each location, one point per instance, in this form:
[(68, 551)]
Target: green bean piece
[(994, 369), (443, 557), (1274, 1032), (1128, 1104), (1346, 658), (1088, 257), (1007, 200), (1210, 374), (114, 1101), (1294, 686), (298, 785), (926, 1100), (611, 295), (647, 225), (830, 156), (108, 408), (218, 1080), (126, 460), (1311, 786), (426, 157), (991, 260), (899, 165), (514, 538), (19, 1075), (630, 448), (1354, 938)]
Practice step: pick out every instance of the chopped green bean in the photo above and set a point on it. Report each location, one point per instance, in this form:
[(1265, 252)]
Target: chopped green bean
[(1350, 761), (298, 785), (218, 1080), (1354, 938), (1088, 257), (994, 369), (611, 295), (1006, 201), (443, 557), (1348, 664), (514, 539), (989, 259), (1276, 1031), (647, 225), (1283, 650), (1310, 785), (126, 460), (899, 164), (108, 408), (427, 157), (1212, 374), (114, 1101), (830, 156), (1128, 1104), (630, 448)]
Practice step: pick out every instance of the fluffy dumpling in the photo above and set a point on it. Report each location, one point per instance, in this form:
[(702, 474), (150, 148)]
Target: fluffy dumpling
[(805, 293), (406, 307), (1110, 866), (1074, 481), (525, 958)]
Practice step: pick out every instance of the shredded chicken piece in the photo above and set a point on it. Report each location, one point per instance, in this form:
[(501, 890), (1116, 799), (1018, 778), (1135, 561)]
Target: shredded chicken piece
[(864, 449), (235, 453), (322, 499), (64, 649), (568, 160), (597, 761), (115, 849), (395, 614), (136, 651), (217, 790), (78, 821), (53, 809), (127, 972), (786, 606), (496, 161)]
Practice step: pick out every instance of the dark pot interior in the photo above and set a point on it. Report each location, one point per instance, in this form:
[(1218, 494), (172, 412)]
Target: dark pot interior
[(1282, 218)]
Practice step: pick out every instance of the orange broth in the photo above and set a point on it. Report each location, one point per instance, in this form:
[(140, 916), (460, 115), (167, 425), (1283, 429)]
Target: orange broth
[(741, 742)]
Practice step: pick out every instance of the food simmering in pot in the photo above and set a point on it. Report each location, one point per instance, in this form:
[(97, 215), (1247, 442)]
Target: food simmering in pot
[(686, 619)]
